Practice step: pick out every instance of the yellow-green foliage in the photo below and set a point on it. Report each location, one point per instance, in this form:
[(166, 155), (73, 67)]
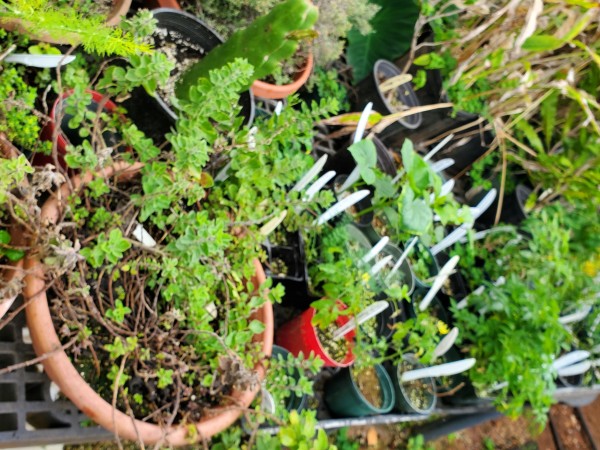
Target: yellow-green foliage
[(40, 17)]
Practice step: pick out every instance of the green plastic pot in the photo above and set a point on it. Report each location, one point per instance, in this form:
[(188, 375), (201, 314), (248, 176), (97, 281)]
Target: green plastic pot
[(344, 399), (403, 402), (293, 402)]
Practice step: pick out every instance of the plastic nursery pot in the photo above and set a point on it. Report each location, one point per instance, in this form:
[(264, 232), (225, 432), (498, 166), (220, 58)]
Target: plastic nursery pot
[(190, 37), (293, 402), (513, 207), (400, 98), (436, 307), (276, 92), (415, 397), (354, 393), (66, 135), (118, 10), (343, 162), (423, 263), (60, 369), (403, 276), (300, 335), (287, 266), (464, 150), (360, 220), (455, 286), (456, 389)]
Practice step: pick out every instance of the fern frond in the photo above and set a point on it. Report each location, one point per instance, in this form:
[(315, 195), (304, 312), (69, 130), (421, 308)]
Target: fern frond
[(68, 25)]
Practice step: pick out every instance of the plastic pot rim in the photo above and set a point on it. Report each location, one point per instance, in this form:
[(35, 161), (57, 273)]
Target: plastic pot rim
[(430, 381), (381, 376)]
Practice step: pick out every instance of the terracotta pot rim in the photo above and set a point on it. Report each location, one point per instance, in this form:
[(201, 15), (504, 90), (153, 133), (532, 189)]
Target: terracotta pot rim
[(60, 369), (276, 92), (119, 10)]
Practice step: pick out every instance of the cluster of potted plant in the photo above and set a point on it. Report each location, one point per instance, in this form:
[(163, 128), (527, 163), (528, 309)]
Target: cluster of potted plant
[(164, 236)]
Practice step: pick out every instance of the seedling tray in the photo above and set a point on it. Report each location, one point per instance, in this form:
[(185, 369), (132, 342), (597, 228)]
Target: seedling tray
[(28, 414)]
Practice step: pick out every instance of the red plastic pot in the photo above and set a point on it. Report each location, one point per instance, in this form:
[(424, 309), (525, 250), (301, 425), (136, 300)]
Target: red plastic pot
[(300, 335), (98, 100)]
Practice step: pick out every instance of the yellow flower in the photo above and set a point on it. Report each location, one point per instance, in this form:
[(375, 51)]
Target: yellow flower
[(366, 277), (442, 327), (591, 267)]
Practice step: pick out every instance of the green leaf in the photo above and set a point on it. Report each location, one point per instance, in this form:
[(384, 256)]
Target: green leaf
[(393, 27), (4, 237), (365, 155), (13, 255), (416, 168), (416, 214), (542, 43), (287, 436), (548, 110), (430, 61), (257, 327), (531, 135)]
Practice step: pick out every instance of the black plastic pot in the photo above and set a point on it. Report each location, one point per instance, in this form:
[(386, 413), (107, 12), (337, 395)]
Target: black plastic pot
[(368, 91), (152, 114), (513, 207), (457, 286), (362, 221), (343, 162), (464, 150), (459, 390), (436, 307), (295, 279)]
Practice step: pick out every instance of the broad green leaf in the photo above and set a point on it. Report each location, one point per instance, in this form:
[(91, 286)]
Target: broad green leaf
[(365, 155), (13, 255), (257, 326), (415, 214), (430, 61), (542, 43), (4, 237), (417, 170), (391, 36)]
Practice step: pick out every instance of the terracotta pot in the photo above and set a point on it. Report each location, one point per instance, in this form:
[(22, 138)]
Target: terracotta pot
[(14, 270), (60, 369), (275, 92), (119, 10)]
